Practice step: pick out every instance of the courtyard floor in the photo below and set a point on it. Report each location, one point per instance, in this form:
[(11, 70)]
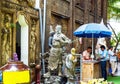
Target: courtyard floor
[(116, 78)]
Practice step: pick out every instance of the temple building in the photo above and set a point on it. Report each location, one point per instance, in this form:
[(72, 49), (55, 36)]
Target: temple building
[(20, 25), (20, 31)]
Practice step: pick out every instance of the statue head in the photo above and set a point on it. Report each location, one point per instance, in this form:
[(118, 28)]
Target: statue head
[(58, 29), (73, 50)]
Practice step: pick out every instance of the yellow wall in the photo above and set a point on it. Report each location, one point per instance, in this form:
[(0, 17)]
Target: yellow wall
[(14, 77)]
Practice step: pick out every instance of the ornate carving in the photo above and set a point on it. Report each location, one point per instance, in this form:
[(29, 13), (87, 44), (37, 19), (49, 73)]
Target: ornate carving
[(15, 1), (10, 6), (6, 42), (30, 3), (33, 39)]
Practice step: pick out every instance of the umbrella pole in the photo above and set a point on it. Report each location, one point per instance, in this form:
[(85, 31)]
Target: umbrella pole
[(92, 56)]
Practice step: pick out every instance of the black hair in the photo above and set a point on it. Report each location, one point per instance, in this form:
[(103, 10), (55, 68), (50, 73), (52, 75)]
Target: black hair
[(89, 47), (63, 80), (52, 34), (110, 47), (102, 46)]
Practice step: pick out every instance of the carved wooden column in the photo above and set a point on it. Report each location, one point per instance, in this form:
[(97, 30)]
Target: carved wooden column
[(14, 33), (6, 37)]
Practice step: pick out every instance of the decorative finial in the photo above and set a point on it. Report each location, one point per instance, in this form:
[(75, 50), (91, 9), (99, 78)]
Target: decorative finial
[(102, 21), (15, 57)]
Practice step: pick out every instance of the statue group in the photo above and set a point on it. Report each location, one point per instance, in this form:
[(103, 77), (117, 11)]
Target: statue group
[(55, 61)]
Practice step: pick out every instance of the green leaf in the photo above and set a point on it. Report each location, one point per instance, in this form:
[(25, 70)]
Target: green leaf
[(113, 9)]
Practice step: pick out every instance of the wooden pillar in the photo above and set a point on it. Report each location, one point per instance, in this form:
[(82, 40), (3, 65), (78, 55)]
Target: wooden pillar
[(105, 18), (71, 21), (14, 33), (99, 10), (48, 23), (96, 5), (86, 20), (105, 11)]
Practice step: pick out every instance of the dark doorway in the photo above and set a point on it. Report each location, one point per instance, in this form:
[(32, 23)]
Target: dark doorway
[(18, 40)]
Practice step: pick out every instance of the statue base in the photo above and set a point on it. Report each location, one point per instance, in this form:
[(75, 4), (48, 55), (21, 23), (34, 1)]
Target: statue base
[(59, 80), (71, 81), (52, 80)]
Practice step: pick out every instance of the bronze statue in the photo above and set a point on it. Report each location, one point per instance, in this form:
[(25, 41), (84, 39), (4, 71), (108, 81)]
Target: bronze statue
[(56, 51), (33, 41), (70, 65)]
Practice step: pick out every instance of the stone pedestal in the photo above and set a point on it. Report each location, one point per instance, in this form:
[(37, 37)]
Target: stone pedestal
[(71, 81), (52, 80)]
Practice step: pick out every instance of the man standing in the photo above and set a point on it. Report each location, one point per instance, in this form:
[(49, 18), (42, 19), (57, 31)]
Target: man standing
[(113, 60), (103, 57)]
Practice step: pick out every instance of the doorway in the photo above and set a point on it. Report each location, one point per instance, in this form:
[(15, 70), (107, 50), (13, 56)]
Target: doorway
[(22, 33), (18, 40)]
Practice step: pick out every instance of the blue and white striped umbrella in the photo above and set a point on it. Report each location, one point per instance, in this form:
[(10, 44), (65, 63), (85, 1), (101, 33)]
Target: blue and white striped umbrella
[(92, 30)]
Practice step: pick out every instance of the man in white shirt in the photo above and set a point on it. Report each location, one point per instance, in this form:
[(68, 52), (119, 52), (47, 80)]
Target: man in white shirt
[(113, 60)]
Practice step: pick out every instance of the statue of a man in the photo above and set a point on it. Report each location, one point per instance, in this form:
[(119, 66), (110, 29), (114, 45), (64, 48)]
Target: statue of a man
[(56, 51)]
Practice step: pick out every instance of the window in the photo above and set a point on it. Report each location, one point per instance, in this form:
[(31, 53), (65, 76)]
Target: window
[(80, 3)]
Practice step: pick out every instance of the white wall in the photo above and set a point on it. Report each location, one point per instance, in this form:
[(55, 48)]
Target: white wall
[(24, 39), (24, 45)]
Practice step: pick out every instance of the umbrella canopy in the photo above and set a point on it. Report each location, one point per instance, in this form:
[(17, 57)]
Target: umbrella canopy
[(92, 30)]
